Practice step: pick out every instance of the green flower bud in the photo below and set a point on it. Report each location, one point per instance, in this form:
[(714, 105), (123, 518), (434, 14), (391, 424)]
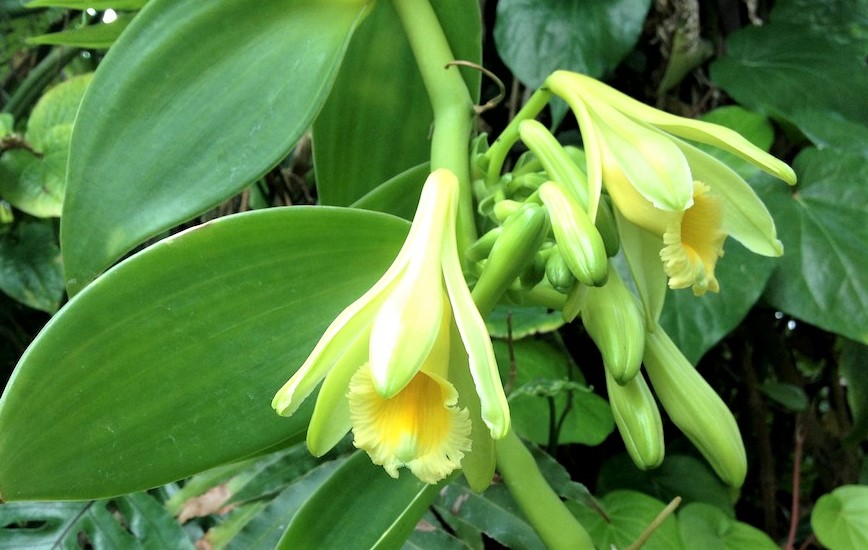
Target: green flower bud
[(605, 224), (479, 250), (695, 408), (615, 320), (578, 239), (522, 235), (558, 273), (638, 420)]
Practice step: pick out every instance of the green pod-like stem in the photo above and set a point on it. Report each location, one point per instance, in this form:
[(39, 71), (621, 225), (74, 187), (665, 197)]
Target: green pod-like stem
[(695, 408), (558, 273)]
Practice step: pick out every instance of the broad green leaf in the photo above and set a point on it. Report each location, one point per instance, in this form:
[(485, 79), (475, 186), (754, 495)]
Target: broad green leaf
[(854, 357), (30, 269), (707, 527), (430, 535), (167, 364), (823, 276), (546, 367), (265, 528), (537, 37), (679, 475), (84, 4), (360, 506), (191, 104), (493, 512), (133, 521), (840, 518), (755, 127), (377, 120), (398, 196), (628, 513), (697, 323), (788, 70), (845, 21), (99, 36)]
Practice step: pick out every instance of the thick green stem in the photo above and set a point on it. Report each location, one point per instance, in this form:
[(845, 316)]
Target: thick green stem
[(549, 516), (450, 101)]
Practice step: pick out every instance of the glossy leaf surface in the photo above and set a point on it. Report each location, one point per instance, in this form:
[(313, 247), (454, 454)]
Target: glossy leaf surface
[(365, 509), (167, 364), (191, 104), (705, 526)]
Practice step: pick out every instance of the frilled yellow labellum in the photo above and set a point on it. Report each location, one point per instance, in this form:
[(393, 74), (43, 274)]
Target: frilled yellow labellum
[(420, 427), (694, 242)]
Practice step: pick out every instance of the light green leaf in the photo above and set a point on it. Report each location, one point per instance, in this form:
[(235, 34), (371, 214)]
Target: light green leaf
[(30, 269), (99, 36), (537, 37), (166, 365), (547, 367), (398, 196), (360, 506), (628, 513), (133, 521), (707, 527), (823, 276), (840, 518), (191, 104), (522, 321)]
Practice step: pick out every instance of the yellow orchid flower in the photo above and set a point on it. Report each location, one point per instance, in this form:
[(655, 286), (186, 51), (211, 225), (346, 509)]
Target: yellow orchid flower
[(662, 184), (387, 365)]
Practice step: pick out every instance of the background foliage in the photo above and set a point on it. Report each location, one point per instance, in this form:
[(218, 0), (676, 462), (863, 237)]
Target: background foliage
[(784, 343)]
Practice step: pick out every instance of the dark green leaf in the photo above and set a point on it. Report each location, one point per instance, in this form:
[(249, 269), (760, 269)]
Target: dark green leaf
[(854, 358), (265, 528), (707, 527), (30, 269), (399, 196), (537, 37), (789, 395), (192, 103), (823, 275), (360, 506), (523, 321), (167, 364), (100, 36), (588, 420), (135, 521), (430, 535), (628, 513), (844, 21), (679, 475), (840, 518), (493, 512), (787, 70)]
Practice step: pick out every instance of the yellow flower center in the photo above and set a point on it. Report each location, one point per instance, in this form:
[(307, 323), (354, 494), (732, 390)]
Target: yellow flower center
[(420, 427), (694, 242)]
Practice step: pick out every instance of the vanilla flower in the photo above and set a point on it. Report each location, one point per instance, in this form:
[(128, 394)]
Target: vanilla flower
[(660, 183), (388, 365)]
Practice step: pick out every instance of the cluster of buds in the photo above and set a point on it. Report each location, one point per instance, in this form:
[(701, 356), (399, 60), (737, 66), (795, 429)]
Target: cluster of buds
[(636, 189)]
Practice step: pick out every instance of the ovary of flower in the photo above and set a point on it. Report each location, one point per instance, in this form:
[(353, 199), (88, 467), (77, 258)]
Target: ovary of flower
[(384, 361), (658, 182)]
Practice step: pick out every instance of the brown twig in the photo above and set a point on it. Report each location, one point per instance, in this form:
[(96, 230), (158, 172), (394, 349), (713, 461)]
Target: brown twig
[(799, 439)]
